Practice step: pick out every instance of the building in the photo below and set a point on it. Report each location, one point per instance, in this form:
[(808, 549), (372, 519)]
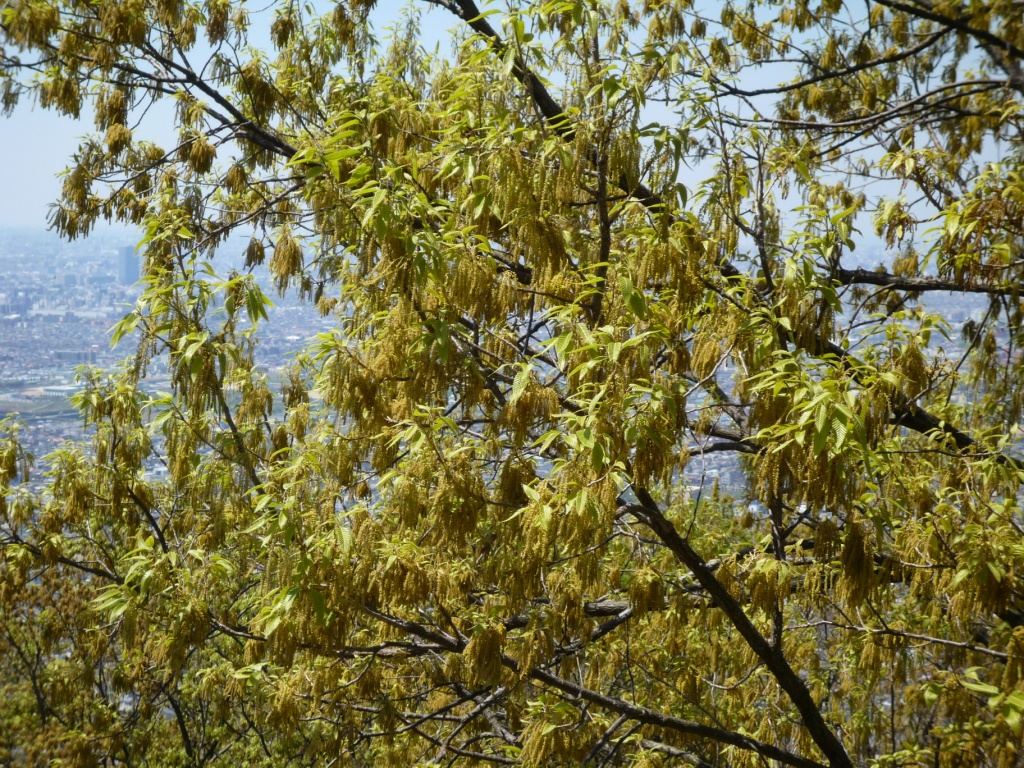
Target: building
[(128, 266)]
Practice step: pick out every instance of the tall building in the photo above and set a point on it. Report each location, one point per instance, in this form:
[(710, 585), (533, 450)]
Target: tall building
[(128, 266)]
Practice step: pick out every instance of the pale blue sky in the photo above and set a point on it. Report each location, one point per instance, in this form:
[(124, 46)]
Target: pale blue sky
[(37, 144)]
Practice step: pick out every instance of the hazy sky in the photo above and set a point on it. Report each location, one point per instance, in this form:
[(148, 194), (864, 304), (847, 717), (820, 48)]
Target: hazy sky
[(37, 145)]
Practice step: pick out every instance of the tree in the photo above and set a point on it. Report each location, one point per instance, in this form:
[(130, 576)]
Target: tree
[(567, 263)]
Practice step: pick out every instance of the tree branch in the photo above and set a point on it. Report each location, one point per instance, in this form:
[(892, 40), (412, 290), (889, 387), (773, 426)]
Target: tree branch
[(862, 276), (773, 656)]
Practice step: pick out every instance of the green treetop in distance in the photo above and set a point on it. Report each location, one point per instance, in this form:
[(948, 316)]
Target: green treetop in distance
[(592, 247)]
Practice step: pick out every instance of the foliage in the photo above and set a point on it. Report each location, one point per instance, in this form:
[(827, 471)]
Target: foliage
[(567, 261)]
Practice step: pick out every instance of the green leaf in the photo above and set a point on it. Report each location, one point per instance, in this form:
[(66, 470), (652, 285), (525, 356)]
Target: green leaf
[(520, 383)]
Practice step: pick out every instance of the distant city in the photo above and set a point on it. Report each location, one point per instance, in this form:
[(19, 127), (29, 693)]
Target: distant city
[(59, 301)]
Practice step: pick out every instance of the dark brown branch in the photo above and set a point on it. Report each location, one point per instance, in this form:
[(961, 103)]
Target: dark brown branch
[(539, 94), (728, 445), (245, 126), (959, 24), (906, 109), (862, 276), (839, 74), (650, 717), (179, 717), (773, 656)]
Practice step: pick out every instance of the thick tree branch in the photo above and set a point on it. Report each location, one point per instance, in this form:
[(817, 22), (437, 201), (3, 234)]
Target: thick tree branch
[(650, 717), (773, 656), (862, 276), (960, 24)]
